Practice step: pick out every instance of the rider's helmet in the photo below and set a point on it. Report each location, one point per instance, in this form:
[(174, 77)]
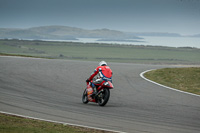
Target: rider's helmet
[(102, 63)]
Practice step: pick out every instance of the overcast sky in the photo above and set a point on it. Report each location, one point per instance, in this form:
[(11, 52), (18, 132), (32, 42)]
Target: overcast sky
[(174, 16)]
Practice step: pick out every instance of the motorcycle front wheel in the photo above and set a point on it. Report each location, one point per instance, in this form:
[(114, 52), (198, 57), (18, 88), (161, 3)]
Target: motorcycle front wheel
[(103, 97), (85, 97)]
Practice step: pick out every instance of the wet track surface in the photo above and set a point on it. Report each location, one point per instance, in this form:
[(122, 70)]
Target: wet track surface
[(52, 89)]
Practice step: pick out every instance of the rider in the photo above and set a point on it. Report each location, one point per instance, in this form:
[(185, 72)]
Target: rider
[(103, 73)]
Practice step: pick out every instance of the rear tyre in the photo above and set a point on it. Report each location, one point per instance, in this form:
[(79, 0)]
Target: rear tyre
[(103, 97), (85, 97)]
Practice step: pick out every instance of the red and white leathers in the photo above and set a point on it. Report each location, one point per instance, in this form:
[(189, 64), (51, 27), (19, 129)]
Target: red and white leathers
[(105, 74)]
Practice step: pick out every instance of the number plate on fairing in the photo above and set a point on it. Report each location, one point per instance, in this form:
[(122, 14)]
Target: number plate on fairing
[(89, 91)]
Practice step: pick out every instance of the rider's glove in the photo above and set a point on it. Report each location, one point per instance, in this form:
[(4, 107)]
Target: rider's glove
[(87, 80)]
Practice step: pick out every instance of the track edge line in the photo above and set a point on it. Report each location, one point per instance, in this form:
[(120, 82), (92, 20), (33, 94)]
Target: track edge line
[(142, 76), (64, 123)]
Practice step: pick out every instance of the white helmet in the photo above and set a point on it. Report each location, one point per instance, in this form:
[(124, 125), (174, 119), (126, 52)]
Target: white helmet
[(102, 63)]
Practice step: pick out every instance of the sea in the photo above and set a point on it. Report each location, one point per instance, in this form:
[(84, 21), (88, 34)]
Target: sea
[(193, 42)]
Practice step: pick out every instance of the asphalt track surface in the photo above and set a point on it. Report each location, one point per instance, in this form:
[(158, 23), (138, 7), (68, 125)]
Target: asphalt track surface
[(52, 89)]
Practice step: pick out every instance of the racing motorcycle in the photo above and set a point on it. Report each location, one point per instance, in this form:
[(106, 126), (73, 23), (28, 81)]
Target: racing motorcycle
[(101, 97)]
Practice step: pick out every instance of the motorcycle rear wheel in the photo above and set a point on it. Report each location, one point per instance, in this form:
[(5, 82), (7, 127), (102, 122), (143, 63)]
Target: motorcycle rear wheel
[(103, 97), (85, 97)]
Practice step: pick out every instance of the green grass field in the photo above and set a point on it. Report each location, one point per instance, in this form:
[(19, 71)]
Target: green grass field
[(97, 52), (15, 124), (185, 79)]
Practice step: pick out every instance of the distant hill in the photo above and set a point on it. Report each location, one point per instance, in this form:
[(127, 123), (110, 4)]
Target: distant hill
[(32, 33), (196, 35), (72, 33), (62, 32)]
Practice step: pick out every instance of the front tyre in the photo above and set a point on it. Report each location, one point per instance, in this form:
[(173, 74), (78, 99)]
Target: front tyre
[(85, 97), (103, 97)]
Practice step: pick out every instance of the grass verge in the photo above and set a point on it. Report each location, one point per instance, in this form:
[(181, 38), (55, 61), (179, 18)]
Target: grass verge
[(16, 124), (185, 79), (98, 52)]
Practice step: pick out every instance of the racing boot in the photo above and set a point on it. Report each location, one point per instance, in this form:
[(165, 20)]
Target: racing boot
[(94, 90)]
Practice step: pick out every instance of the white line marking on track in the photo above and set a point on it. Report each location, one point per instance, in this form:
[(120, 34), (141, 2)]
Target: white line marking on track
[(64, 123), (142, 75)]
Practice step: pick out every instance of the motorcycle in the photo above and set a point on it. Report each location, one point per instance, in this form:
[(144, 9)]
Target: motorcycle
[(102, 96)]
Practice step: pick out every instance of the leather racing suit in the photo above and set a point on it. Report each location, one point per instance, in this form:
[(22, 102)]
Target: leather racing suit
[(103, 73)]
